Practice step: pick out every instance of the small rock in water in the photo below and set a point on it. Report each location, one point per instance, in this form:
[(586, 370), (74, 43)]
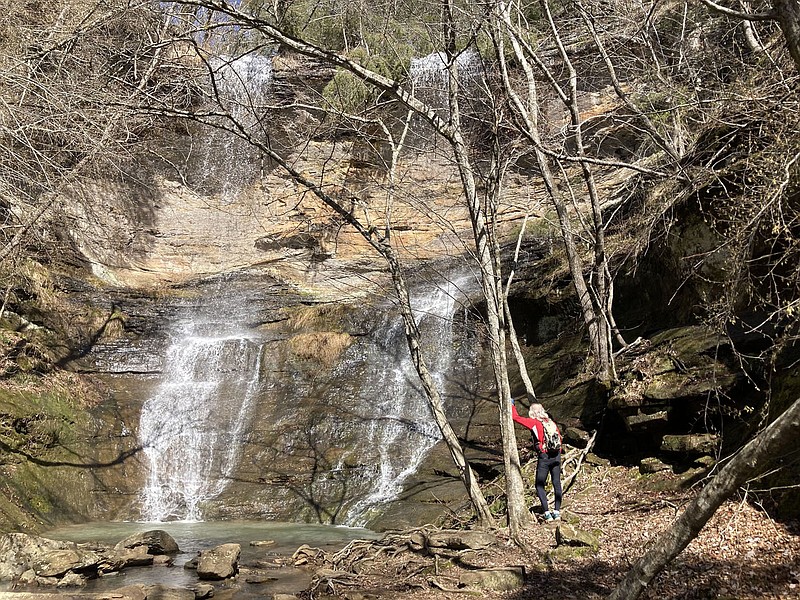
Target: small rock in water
[(262, 543), (157, 541), (72, 580), (259, 578), (203, 590), (220, 562), (162, 560)]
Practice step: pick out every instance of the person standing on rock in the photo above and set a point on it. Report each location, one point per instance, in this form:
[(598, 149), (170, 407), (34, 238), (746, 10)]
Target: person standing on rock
[(547, 445)]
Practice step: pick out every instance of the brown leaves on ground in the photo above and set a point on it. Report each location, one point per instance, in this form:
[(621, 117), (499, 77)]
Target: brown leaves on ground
[(741, 553)]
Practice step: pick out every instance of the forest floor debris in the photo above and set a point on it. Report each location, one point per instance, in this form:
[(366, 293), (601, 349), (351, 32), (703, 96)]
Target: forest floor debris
[(742, 553)]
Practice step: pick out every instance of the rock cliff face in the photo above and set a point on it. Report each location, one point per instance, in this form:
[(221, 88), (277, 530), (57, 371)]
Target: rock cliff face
[(311, 296), (166, 242)]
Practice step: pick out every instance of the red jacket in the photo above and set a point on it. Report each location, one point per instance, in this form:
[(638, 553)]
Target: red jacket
[(535, 425)]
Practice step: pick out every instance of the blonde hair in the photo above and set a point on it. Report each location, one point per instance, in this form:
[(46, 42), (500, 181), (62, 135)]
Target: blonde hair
[(537, 411)]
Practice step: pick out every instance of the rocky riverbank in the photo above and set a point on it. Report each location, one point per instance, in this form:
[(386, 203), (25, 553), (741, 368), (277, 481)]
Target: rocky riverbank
[(611, 514)]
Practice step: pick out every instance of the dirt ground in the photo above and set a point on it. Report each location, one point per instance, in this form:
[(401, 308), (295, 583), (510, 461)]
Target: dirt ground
[(742, 553)]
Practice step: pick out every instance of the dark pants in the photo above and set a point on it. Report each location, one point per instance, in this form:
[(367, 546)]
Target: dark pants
[(548, 465)]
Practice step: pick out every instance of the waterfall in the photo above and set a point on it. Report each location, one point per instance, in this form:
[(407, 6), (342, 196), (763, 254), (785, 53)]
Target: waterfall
[(400, 427), (226, 163), (429, 75), (192, 427), (429, 80)]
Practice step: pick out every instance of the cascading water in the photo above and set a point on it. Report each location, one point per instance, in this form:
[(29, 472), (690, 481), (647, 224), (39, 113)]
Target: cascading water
[(429, 80), (401, 429), (227, 163), (192, 428), (429, 75)]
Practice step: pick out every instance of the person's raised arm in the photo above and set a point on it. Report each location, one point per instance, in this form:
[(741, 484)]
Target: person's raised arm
[(524, 421)]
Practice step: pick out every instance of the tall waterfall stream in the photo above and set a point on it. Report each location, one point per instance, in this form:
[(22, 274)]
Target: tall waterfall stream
[(400, 429), (192, 428)]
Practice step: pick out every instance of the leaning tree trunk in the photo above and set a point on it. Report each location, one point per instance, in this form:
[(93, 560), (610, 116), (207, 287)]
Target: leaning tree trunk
[(778, 439), (787, 12)]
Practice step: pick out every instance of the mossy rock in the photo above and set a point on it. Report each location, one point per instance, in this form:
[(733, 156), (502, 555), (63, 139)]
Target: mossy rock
[(567, 553)]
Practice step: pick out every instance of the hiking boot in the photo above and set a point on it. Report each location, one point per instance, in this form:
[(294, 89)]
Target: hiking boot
[(548, 517), (556, 515)]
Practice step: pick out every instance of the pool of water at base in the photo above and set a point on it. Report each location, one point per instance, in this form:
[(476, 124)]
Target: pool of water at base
[(192, 537)]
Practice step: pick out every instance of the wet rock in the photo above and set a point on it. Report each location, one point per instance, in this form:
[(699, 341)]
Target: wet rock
[(259, 578), (500, 580), (128, 557), (72, 580), (162, 592), (131, 592), (27, 578), (203, 590), (191, 564), (156, 541), (162, 560), (18, 551), (569, 535), (262, 543), (220, 562)]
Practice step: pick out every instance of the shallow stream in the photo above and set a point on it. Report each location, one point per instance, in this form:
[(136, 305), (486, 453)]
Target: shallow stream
[(193, 537)]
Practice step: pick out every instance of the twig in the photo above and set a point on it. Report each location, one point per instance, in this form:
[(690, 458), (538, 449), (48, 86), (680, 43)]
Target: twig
[(589, 445)]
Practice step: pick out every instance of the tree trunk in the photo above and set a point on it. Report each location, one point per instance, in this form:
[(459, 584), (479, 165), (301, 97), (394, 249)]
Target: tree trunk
[(481, 507), (518, 515), (768, 447), (787, 12)]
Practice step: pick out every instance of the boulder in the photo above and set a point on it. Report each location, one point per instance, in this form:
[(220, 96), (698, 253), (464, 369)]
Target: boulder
[(56, 563), (698, 443), (220, 562), (642, 420), (127, 557), (499, 580), (569, 535), (651, 464), (156, 541), (19, 550), (575, 436)]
